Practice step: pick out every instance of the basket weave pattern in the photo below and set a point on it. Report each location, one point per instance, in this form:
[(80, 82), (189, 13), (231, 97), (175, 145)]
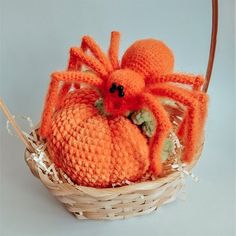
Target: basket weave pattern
[(111, 203)]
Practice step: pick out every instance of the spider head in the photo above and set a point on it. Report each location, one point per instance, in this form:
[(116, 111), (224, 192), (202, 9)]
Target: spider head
[(121, 91)]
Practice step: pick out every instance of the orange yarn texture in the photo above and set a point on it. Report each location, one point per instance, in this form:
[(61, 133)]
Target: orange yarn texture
[(100, 150), (95, 150)]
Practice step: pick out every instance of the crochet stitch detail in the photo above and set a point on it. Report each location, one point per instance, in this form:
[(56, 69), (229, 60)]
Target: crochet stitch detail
[(144, 76)]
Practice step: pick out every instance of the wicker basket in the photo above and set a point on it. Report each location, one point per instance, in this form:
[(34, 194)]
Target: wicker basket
[(118, 202), (110, 203)]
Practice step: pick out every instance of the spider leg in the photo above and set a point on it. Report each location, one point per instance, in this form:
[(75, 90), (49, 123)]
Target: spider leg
[(89, 43), (196, 81), (89, 61), (62, 93), (182, 128), (193, 113), (114, 49), (75, 63), (203, 101), (79, 57), (52, 95), (162, 130), (66, 86)]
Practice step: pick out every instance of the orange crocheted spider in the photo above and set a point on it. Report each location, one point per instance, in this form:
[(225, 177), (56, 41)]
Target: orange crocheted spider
[(144, 75)]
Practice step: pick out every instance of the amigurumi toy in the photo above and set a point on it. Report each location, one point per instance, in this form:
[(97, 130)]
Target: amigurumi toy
[(100, 150)]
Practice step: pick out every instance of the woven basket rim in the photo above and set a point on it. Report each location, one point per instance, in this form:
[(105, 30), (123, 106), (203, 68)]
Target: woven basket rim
[(118, 202), (147, 184)]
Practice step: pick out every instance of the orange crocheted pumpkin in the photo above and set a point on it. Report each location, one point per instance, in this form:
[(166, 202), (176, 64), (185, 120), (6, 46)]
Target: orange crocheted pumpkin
[(96, 150)]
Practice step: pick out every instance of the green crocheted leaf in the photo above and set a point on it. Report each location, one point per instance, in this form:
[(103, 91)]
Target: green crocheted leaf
[(144, 119), (167, 149), (139, 117), (148, 128)]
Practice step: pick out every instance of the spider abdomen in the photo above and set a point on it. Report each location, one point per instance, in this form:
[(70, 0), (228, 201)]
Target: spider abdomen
[(148, 57)]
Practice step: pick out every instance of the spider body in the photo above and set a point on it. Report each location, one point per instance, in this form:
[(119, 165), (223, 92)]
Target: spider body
[(149, 57), (140, 62), (121, 91), (144, 75)]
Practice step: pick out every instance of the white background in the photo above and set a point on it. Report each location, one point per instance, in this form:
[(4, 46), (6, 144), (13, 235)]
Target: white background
[(35, 39)]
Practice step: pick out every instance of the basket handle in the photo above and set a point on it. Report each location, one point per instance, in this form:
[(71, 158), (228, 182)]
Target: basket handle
[(214, 30), (15, 126)]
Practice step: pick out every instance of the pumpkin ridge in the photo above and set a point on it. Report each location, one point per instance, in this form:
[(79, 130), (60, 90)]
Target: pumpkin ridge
[(102, 156), (127, 161)]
